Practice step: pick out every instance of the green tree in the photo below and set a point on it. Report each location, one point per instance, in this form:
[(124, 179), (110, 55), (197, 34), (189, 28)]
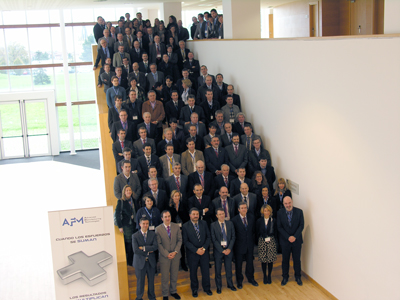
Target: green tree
[(87, 49), (17, 55), (39, 56), (3, 59), (40, 77)]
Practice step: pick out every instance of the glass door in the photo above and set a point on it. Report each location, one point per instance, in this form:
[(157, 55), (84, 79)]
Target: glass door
[(24, 129)]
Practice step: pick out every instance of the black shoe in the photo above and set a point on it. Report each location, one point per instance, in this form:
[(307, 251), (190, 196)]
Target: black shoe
[(232, 288), (284, 281), (209, 293), (299, 282), (253, 282), (240, 286), (269, 280), (184, 268), (209, 266), (165, 298), (176, 296), (218, 290), (195, 293), (265, 280)]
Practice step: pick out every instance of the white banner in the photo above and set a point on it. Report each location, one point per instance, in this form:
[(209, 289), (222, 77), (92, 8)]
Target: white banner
[(84, 254)]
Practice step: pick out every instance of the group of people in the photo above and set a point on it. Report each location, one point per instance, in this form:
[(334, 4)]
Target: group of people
[(193, 177)]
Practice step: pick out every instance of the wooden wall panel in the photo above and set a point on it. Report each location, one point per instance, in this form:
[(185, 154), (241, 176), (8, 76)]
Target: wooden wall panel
[(379, 16), (330, 17), (344, 17)]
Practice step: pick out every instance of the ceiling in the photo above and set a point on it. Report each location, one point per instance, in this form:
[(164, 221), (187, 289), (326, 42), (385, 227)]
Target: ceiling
[(200, 5)]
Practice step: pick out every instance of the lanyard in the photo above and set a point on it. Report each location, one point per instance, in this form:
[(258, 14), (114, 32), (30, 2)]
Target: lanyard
[(150, 215), (116, 91)]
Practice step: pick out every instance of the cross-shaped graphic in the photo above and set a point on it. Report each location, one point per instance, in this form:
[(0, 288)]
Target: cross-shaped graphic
[(90, 268)]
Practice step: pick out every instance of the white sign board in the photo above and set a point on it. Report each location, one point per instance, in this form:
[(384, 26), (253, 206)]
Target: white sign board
[(84, 254)]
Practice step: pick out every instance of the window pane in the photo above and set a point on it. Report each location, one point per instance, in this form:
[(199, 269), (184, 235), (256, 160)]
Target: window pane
[(72, 83), (4, 84), (108, 14), (40, 47), (70, 44), (57, 45), (63, 126), (121, 11), (17, 46), (60, 85), (83, 39), (54, 16), (43, 78), (88, 126), (1, 19), (86, 83), (82, 15), (67, 16), (37, 16), (21, 79), (14, 17), (3, 60)]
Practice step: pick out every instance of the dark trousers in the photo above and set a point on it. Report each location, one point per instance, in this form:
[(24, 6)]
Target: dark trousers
[(295, 249), (141, 278), (194, 260), (227, 259), (183, 256), (248, 256)]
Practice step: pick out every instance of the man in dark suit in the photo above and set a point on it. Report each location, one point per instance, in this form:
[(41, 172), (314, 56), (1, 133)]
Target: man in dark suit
[(201, 80), (127, 178), (221, 85), (202, 203), (215, 156), (134, 107), (188, 110), (182, 53), (143, 139), (168, 68), (185, 75), (156, 51), (226, 138), (153, 174), (256, 152), (177, 132), (219, 122), (244, 244), (223, 238), (142, 41), (249, 198), (237, 155), (177, 182), (267, 171), (210, 107), (225, 202), (120, 28), (201, 28), (230, 92), (160, 196), (154, 76), (144, 260), (198, 141), (203, 89), (248, 136), (144, 65), (200, 127), (103, 53), (119, 145), (112, 69), (140, 81), (173, 108), (167, 140), (193, 27), (235, 185), (135, 168), (151, 128), (193, 66), (224, 179), (290, 222), (136, 53), (98, 28), (123, 123), (196, 238), (147, 160), (122, 76), (238, 126), (121, 42), (206, 179), (183, 33)]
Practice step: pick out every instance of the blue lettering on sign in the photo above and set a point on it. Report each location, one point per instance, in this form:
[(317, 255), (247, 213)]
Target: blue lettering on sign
[(72, 221)]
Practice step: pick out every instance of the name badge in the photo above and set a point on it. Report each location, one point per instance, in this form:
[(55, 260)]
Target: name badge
[(204, 212), (158, 55), (268, 239), (180, 225), (152, 228), (224, 243), (212, 118), (138, 84), (231, 120), (134, 117), (146, 74)]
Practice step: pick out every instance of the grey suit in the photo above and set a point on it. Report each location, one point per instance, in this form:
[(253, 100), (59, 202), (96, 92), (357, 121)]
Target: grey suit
[(227, 113), (187, 161), (120, 181), (239, 160), (144, 262), (151, 81), (251, 203), (111, 42), (201, 129), (106, 80), (165, 164), (169, 267), (124, 43), (216, 237), (138, 147), (117, 60), (200, 30)]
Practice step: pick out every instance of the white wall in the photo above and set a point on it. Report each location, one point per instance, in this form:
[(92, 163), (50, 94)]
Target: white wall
[(392, 13), (331, 121)]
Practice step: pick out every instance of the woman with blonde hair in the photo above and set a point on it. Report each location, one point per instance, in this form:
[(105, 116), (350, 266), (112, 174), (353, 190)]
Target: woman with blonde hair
[(281, 192)]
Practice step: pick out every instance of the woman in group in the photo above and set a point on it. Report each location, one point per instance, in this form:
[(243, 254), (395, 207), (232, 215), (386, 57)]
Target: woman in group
[(162, 33), (187, 90), (258, 182), (172, 22), (147, 23), (179, 215), (113, 112), (266, 233), (109, 25), (172, 33), (140, 93), (171, 42), (156, 25), (281, 192), (125, 218), (266, 198), (149, 211)]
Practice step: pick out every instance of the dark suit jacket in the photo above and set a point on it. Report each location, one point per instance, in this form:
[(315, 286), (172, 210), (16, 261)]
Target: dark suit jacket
[(243, 140), (154, 161), (98, 31), (225, 140), (153, 134), (153, 52), (170, 185), (183, 34), (270, 231), (142, 67), (138, 147), (161, 147), (141, 82), (235, 186), (106, 79), (162, 199), (236, 161), (213, 163), (224, 90), (217, 203), (136, 56), (113, 116), (251, 199), (182, 213), (199, 143), (253, 162), (270, 175), (220, 182), (150, 79), (101, 56), (116, 148), (205, 203), (210, 112), (134, 112), (180, 58), (135, 168), (169, 69), (139, 259), (185, 114), (171, 111), (125, 44), (130, 134), (285, 231), (201, 129), (194, 70), (216, 236), (179, 135), (190, 239), (201, 80), (237, 128), (244, 236), (145, 185), (220, 131), (209, 184), (236, 100)]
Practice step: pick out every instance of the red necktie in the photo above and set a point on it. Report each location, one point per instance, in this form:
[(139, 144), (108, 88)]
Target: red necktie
[(122, 145), (226, 181)]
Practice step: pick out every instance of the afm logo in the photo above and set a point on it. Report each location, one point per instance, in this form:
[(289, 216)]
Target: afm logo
[(72, 221)]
